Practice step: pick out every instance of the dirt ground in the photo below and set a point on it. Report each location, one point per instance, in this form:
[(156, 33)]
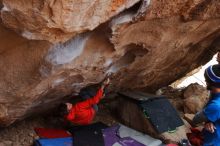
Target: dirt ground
[(22, 133)]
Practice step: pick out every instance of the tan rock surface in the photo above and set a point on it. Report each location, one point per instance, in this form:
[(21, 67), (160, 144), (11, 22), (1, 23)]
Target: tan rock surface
[(142, 50), (58, 21), (188, 41), (188, 9), (19, 63)]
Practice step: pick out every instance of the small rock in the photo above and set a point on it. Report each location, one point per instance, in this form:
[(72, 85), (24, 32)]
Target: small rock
[(31, 134), (189, 118)]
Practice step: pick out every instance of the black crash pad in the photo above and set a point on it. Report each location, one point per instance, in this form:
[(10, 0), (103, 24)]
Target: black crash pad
[(90, 135), (162, 114), (158, 109)]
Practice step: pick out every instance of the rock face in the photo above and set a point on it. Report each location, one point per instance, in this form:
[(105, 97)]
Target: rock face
[(58, 21), (147, 46)]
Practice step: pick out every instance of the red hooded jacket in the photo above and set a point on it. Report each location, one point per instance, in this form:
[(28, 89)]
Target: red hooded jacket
[(83, 113)]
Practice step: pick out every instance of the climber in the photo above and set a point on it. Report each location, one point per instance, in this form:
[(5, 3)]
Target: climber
[(82, 113), (211, 112)]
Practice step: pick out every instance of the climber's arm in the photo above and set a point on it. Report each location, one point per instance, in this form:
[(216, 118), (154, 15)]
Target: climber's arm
[(199, 118)]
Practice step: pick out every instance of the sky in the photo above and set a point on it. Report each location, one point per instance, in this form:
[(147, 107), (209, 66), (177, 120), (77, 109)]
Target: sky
[(199, 76)]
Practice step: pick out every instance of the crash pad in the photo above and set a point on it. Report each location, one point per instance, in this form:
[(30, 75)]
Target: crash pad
[(125, 131), (68, 141), (90, 135), (112, 138), (157, 109), (161, 114), (51, 133)]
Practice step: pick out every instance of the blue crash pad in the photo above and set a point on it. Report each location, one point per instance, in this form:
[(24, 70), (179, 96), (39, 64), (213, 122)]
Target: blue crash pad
[(68, 141)]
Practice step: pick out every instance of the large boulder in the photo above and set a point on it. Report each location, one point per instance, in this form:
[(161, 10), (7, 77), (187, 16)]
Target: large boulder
[(145, 47), (196, 96)]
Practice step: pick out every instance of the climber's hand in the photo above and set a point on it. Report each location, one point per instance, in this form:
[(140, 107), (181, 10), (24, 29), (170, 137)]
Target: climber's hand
[(105, 83), (210, 127)]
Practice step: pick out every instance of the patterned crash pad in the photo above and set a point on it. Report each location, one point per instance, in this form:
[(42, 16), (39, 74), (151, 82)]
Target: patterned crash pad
[(111, 138), (145, 139)]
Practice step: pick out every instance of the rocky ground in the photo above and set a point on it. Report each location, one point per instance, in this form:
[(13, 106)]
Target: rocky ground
[(22, 133)]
